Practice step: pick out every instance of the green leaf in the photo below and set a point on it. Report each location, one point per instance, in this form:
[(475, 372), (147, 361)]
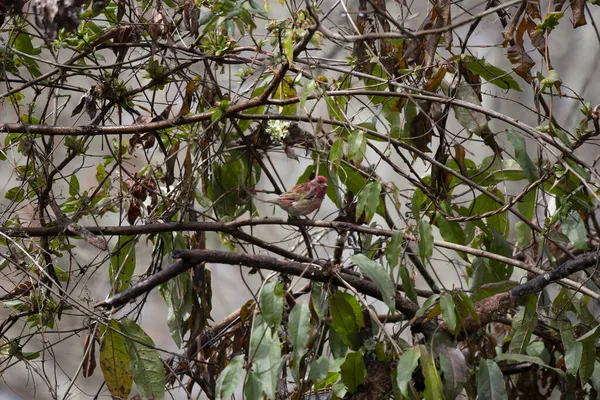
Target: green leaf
[(357, 147), (574, 228), (522, 234), (336, 154), (557, 237), (527, 205), (146, 364), (499, 245), (448, 312), (524, 322), (407, 285), (431, 300), (230, 378), (491, 73), (299, 328), (490, 382), (177, 293), (473, 121), (595, 379), (451, 231), (346, 318), (588, 359), (253, 387), (377, 273), (115, 362), (550, 79), (73, 185), (453, 366), (337, 346), (318, 302), (573, 357), (24, 44), (271, 303), (425, 241), (522, 157), (368, 200), (353, 371), (433, 383), (406, 366), (16, 194), (288, 46), (101, 176), (392, 253), (550, 22), (484, 204), (122, 264), (319, 369), (265, 353)]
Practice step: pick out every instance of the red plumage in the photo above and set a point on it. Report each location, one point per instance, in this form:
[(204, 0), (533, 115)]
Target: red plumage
[(303, 198)]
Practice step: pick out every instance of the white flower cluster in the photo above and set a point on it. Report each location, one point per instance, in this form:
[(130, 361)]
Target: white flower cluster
[(278, 130)]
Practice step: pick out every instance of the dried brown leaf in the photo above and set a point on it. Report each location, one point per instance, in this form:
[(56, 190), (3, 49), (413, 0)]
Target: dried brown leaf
[(421, 132), (446, 15), (170, 163), (146, 140), (87, 101), (521, 62), (120, 9), (22, 289), (536, 37), (434, 82), (433, 21), (164, 115), (194, 14), (533, 9), (509, 31), (134, 211), (578, 10), (558, 5), (190, 91), (460, 155), (89, 362), (90, 105), (361, 48), (157, 27)]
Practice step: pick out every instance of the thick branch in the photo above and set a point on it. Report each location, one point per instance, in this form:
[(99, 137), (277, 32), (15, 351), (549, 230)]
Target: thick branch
[(190, 258), (231, 227)]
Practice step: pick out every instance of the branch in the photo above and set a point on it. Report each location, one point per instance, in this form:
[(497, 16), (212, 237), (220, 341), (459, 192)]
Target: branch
[(489, 308), (231, 228), (188, 259)]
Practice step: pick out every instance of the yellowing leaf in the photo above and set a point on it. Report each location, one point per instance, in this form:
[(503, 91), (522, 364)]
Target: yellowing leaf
[(114, 362), (288, 45), (190, 89)]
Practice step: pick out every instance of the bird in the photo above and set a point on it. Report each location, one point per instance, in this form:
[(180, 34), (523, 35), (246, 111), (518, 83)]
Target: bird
[(303, 198)]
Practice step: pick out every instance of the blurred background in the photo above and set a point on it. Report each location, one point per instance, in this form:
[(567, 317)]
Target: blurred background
[(575, 54)]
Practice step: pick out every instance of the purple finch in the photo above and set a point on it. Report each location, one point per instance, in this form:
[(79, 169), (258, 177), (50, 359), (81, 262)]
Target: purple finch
[(303, 198)]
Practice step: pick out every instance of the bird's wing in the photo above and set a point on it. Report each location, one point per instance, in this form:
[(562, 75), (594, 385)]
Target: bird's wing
[(297, 193)]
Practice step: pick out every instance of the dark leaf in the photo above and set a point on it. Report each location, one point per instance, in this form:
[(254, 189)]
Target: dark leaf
[(353, 371), (490, 385)]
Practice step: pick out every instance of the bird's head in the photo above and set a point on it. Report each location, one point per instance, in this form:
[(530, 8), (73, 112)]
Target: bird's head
[(321, 183)]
